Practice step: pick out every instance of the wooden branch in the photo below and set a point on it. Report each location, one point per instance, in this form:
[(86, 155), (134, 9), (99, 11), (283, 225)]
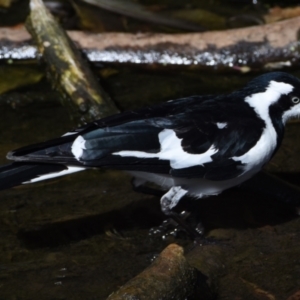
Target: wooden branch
[(67, 70), (255, 48), (169, 277)]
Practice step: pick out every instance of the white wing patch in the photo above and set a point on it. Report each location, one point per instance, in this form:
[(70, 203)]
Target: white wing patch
[(171, 149), (70, 170), (221, 125), (78, 146), (69, 133)]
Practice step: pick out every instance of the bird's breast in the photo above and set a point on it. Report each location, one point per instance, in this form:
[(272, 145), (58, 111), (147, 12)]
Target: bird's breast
[(254, 159)]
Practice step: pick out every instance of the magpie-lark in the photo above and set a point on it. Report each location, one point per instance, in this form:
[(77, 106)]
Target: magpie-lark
[(197, 146)]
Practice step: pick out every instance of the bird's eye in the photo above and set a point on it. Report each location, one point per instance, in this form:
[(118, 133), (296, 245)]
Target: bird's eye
[(296, 100)]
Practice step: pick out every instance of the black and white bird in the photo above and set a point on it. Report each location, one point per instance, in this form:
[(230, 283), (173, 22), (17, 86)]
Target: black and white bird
[(197, 146)]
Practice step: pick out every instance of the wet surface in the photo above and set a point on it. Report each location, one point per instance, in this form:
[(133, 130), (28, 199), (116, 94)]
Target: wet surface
[(83, 236), (239, 55), (252, 55), (24, 51), (52, 245)]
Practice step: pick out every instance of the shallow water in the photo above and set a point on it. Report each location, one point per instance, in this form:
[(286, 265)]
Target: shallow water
[(82, 236)]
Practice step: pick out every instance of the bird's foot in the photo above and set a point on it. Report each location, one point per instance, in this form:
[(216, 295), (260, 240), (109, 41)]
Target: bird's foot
[(192, 232), (179, 225), (168, 201)]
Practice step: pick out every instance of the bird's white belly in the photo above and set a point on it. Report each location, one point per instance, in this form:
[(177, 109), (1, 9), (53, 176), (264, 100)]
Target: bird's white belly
[(196, 187)]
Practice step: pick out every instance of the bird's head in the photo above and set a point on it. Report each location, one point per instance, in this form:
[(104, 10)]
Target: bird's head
[(276, 94)]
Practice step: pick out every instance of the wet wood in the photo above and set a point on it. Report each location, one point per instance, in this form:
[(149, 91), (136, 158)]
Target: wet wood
[(68, 71), (257, 48), (169, 277)]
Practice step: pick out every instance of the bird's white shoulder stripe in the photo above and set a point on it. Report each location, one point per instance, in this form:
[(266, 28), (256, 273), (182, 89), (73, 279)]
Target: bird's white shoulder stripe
[(70, 170), (262, 151), (171, 149)]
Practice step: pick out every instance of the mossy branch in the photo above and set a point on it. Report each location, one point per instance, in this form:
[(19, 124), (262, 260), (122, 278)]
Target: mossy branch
[(67, 69)]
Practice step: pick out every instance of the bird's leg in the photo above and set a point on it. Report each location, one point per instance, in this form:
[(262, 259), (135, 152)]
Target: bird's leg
[(169, 201)]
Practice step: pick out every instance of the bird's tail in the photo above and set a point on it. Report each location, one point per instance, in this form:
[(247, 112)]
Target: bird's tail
[(21, 173)]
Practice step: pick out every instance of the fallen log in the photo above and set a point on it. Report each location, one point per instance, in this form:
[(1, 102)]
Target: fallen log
[(256, 48), (169, 277)]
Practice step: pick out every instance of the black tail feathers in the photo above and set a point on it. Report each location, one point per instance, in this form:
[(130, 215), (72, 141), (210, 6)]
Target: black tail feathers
[(18, 173)]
